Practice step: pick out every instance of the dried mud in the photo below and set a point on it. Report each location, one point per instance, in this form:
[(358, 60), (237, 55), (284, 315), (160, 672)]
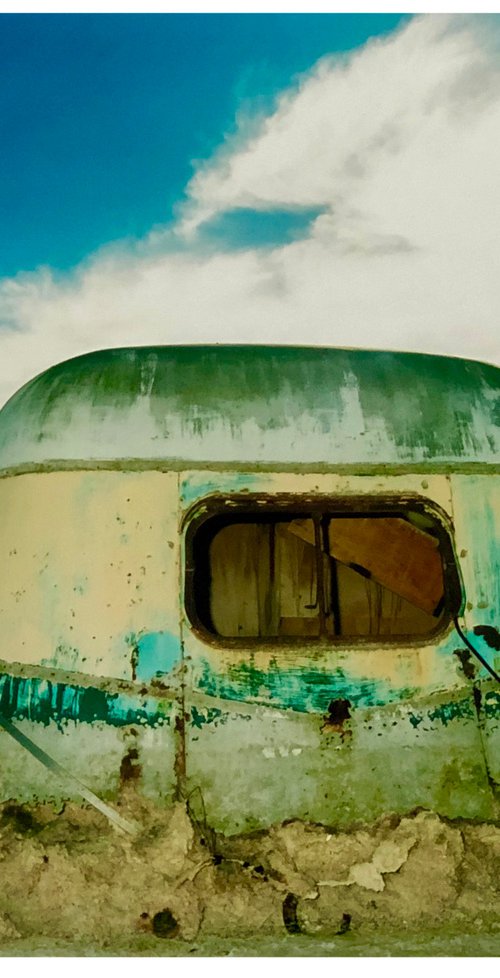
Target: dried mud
[(69, 876)]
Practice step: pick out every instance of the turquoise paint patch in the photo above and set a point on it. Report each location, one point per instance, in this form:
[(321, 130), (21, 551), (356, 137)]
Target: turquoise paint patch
[(157, 654), (191, 489), (486, 558), (43, 701), (305, 690), (478, 533)]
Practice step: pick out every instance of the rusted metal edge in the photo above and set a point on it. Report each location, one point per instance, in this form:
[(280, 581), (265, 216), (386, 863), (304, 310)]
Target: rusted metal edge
[(417, 468), (107, 684)]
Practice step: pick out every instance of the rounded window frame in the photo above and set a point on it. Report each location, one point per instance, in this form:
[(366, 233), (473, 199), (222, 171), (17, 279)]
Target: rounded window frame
[(303, 504)]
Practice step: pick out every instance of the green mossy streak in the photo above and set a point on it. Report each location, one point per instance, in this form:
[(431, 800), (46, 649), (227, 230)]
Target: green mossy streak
[(429, 406)]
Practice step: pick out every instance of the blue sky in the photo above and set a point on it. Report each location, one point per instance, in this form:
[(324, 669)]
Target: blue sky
[(102, 116), (290, 178)]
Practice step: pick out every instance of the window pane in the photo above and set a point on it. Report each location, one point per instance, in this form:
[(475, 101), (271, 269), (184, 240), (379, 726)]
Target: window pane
[(262, 582), (326, 574)]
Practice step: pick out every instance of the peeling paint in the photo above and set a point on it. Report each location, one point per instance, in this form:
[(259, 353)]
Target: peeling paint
[(200, 718), (108, 455), (42, 701), (309, 691), (492, 704), (306, 690)]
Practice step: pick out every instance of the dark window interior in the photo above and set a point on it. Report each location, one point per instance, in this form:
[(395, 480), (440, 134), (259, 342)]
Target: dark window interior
[(286, 575)]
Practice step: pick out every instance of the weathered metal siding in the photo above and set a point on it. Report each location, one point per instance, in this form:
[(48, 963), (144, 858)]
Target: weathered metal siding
[(100, 662), (88, 603), (476, 513), (256, 406), (92, 587), (90, 567), (413, 737)]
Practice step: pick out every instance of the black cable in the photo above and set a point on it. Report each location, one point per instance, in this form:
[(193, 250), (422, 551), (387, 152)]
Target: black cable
[(474, 651)]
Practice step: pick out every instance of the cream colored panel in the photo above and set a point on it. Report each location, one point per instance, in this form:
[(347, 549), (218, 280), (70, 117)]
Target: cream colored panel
[(88, 566), (196, 485)]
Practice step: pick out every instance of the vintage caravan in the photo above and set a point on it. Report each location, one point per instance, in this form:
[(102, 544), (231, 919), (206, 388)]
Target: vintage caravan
[(253, 575)]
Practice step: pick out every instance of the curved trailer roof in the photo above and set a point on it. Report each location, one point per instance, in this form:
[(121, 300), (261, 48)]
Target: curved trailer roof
[(255, 406)]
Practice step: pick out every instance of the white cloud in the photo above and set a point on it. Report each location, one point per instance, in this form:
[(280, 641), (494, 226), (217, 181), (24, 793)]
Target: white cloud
[(399, 145)]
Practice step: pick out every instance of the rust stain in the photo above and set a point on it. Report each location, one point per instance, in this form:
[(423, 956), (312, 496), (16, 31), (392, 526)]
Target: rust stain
[(130, 768), (336, 720)]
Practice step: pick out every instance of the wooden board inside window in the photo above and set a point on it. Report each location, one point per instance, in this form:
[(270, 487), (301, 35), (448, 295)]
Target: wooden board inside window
[(397, 555)]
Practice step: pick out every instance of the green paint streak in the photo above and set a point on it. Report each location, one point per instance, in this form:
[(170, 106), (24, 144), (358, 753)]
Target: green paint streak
[(306, 690), (42, 701)]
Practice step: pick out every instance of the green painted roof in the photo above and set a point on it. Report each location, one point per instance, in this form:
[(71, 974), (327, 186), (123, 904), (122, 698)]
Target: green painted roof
[(256, 405)]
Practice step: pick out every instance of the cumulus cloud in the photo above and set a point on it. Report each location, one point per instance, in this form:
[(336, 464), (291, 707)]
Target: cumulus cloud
[(387, 162)]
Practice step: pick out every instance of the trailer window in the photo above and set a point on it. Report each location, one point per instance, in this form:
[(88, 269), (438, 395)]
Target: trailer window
[(320, 574)]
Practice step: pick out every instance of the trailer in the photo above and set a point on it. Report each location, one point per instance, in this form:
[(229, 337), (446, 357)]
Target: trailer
[(253, 576)]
